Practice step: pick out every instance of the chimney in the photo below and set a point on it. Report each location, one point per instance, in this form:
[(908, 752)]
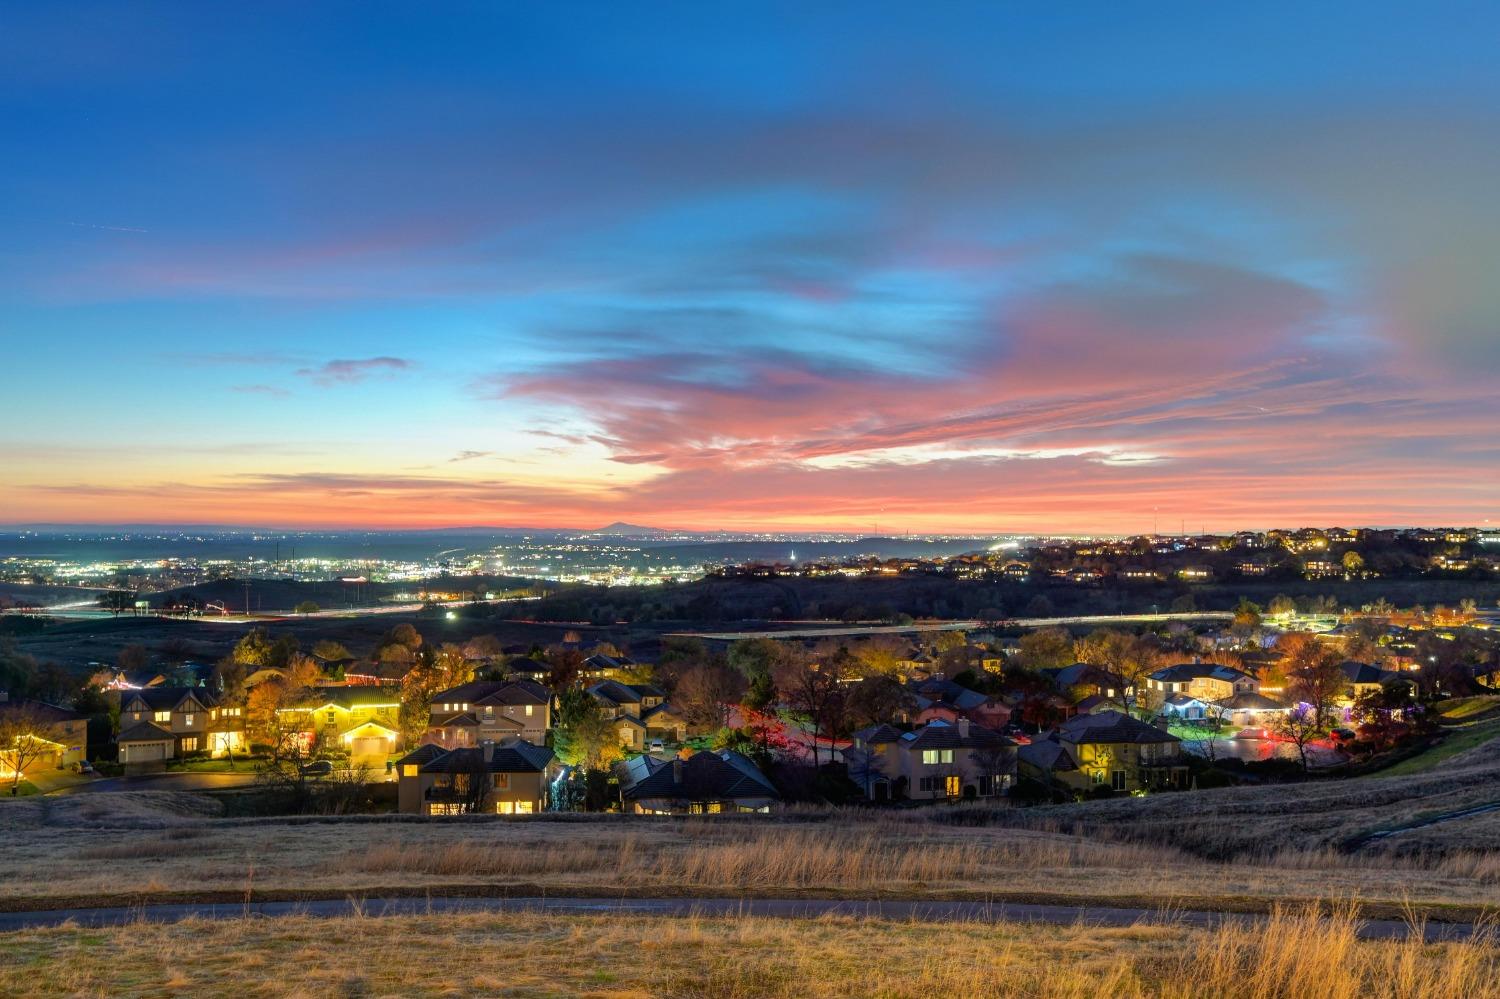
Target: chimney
[(488, 748), (963, 728), (676, 771)]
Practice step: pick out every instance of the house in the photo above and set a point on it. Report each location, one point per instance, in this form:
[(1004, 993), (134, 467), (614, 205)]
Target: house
[(363, 720), (1108, 749), (640, 712), (703, 783), (603, 667), (490, 711), (1365, 678), (1252, 710), (939, 761), (944, 700), (64, 732), (515, 775), (1205, 681), (1087, 680), (162, 723)]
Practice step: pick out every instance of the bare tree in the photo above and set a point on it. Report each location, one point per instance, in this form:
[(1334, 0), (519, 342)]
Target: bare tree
[(705, 695), (472, 784), (1213, 717), (23, 741), (814, 689), (996, 761), (1299, 726)]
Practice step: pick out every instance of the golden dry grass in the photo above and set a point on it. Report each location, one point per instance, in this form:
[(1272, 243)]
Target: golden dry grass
[(1293, 955)]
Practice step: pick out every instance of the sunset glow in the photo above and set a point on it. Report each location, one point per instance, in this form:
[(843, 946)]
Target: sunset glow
[(990, 268)]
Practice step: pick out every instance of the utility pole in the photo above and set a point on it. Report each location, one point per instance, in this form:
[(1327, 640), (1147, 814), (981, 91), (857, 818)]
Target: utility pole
[(247, 598)]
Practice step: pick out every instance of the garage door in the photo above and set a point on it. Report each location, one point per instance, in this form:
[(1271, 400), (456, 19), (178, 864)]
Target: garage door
[(368, 747), (143, 752)]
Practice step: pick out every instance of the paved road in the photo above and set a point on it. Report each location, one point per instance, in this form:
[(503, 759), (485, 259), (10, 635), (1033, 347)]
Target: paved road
[(925, 911), (165, 782), (897, 629)]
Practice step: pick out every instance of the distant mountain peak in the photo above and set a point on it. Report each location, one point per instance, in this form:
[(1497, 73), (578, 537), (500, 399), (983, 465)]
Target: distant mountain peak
[(622, 528)]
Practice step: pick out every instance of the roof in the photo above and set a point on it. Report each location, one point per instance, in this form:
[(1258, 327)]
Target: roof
[(1110, 727), (167, 698), (347, 698), (494, 692), (1047, 754), (1358, 672), (519, 757), (937, 691), (1251, 702), (942, 735), (49, 713), (712, 776), (625, 693), (1183, 672), (422, 754), (877, 734), (145, 732), (1072, 676)]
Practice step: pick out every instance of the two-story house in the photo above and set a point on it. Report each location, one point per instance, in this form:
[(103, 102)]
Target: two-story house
[(640, 711), (362, 720), (1204, 681), (707, 783), (508, 778), (163, 723), (939, 760), (1108, 749), (490, 711)]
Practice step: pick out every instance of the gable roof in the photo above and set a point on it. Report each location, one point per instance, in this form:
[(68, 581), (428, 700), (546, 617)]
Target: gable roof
[(1047, 754), (625, 693), (494, 692), (1111, 727), (943, 735), (145, 732), (877, 734), (167, 698), (50, 713), (712, 776), (1184, 672), (519, 757)]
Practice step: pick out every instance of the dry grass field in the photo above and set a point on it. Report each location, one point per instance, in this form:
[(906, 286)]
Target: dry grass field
[(1293, 955)]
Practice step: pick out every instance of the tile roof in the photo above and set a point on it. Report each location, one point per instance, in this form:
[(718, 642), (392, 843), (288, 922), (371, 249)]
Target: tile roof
[(145, 732), (1111, 727), (710, 776)]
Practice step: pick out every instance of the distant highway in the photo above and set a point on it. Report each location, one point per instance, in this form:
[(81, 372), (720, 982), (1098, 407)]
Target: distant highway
[(898, 629)]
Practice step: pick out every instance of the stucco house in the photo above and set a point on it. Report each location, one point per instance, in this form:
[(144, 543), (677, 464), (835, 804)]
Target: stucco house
[(64, 734), (703, 784), (512, 777), (163, 723), (490, 711), (938, 761), (1107, 749)]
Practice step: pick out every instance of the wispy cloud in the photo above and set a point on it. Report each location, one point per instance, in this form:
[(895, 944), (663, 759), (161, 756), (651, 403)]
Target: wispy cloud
[(350, 371)]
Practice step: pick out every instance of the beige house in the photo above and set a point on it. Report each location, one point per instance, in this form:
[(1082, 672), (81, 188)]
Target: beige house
[(1205, 681), (1108, 749), (938, 761), (162, 723), (481, 711), (641, 713), (505, 779)]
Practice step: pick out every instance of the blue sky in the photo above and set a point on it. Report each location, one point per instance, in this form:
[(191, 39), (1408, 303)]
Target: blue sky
[(980, 268)]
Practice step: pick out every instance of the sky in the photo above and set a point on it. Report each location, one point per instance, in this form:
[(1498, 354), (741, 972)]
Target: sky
[(962, 267)]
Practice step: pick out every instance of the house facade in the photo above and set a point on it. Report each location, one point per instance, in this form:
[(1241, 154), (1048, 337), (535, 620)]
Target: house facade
[(939, 761), (493, 778), (163, 723), (481, 711), (1108, 749), (64, 734), (364, 721), (641, 713), (1204, 681)]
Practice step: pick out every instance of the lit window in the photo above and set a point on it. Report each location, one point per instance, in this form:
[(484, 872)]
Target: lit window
[(409, 770), (190, 745), (187, 720), (529, 709), (162, 716), (953, 788)]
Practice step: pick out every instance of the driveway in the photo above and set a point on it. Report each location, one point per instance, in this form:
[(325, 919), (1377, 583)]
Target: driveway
[(165, 782)]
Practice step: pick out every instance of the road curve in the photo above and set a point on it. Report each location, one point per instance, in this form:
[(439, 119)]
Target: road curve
[(783, 908)]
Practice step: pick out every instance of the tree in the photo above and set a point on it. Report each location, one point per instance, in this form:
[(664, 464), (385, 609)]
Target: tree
[(307, 607), (132, 658), (1046, 648), (329, 651), (946, 640), (1246, 615), (1214, 716), (433, 671), (403, 634), (23, 742), (875, 699), (228, 680), (1298, 726), (483, 647), (582, 735), (472, 784), (564, 665), (117, 602), (1319, 681), (1282, 606), (1354, 563), (704, 695), (815, 689), (879, 656)]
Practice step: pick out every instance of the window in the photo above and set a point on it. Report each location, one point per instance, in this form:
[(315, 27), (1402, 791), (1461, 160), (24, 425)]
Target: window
[(409, 770), (927, 784), (954, 786), (162, 716), (445, 808), (530, 708), (1098, 776), (1119, 780), (502, 780), (934, 756), (332, 716), (190, 744), (187, 720)]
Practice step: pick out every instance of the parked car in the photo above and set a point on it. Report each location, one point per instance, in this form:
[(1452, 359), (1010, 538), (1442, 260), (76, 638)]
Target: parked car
[(318, 768), (657, 746), (1342, 736)]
